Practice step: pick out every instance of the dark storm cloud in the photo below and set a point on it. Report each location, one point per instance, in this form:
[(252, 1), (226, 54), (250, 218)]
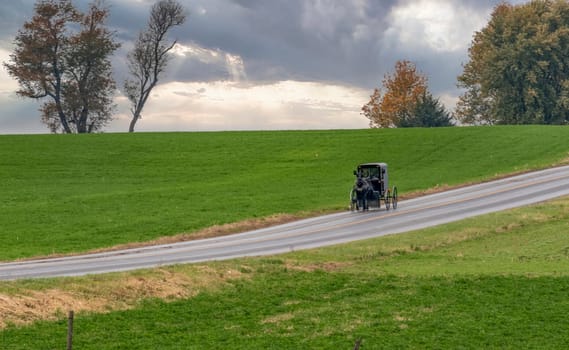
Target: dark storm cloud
[(297, 39), (12, 16), (345, 42), (323, 40), (277, 40)]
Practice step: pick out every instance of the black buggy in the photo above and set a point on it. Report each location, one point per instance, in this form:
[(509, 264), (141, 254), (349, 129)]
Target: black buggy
[(371, 187)]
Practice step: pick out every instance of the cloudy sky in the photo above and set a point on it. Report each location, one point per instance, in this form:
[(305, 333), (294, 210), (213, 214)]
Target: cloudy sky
[(271, 64)]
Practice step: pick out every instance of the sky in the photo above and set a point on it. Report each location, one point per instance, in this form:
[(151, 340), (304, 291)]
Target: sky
[(270, 64)]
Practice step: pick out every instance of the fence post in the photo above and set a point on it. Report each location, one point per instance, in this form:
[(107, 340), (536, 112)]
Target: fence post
[(358, 344), (70, 331)]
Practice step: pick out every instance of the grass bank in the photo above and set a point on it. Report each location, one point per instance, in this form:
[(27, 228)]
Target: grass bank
[(496, 281), (74, 193)]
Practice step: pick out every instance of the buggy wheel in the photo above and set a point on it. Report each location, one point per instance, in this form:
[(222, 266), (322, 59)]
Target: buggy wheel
[(394, 197), (387, 200)]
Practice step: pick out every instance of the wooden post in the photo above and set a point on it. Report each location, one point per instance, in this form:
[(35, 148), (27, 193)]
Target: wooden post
[(358, 344), (70, 331)]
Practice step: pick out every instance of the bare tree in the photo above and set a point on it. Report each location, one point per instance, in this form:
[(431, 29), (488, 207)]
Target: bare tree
[(149, 57), (72, 69)]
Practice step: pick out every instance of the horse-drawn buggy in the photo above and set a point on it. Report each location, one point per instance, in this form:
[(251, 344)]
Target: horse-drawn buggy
[(372, 187)]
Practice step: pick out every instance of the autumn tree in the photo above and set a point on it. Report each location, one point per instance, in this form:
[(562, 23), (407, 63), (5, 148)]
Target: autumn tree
[(372, 111), (518, 68), (63, 55), (403, 90), (149, 57)]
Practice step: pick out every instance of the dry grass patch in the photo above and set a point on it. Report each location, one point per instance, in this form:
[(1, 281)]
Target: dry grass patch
[(508, 228), (115, 292), (564, 161), (328, 266), (278, 318)]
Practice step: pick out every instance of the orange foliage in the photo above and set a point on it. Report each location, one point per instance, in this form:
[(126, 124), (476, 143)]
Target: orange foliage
[(402, 91), (371, 109)]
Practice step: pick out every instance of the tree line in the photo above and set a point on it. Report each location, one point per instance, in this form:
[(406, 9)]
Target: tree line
[(517, 73), (62, 56)]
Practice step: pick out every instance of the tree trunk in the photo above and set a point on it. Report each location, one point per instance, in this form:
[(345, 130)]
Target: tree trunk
[(135, 118), (136, 114), (62, 117), (82, 123), (60, 113), (64, 123)]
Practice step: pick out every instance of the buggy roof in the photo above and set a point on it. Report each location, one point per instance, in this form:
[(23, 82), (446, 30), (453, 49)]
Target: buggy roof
[(372, 165)]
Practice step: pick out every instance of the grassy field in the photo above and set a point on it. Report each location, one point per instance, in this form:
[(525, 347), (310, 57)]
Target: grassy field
[(499, 281), (74, 193)]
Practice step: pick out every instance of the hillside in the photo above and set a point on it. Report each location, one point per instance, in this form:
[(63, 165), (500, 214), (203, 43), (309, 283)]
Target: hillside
[(496, 281), (74, 193)]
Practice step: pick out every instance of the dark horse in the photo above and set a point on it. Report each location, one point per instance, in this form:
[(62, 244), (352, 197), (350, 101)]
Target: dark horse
[(362, 189)]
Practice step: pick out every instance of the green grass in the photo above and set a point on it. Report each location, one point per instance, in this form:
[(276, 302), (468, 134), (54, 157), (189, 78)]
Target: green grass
[(499, 281), (73, 193)]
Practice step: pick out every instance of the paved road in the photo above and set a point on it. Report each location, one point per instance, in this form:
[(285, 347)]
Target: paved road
[(326, 230)]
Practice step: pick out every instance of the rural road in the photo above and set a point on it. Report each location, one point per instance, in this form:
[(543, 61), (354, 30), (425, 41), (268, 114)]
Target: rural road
[(326, 230)]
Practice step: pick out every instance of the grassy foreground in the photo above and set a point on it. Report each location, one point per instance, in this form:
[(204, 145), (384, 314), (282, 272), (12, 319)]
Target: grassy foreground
[(498, 281), (74, 193)]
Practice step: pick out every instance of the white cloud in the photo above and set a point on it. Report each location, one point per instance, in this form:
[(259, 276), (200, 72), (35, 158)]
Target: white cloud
[(225, 105), (235, 67), (197, 52), (439, 25), (233, 64), (7, 84)]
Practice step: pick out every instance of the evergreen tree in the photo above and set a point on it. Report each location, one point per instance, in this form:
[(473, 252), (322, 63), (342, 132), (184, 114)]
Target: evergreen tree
[(429, 112)]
